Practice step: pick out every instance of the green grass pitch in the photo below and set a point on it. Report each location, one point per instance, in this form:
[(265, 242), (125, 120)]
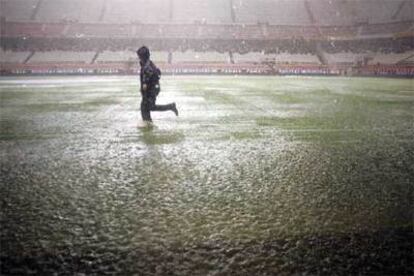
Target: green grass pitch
[(249, 160)]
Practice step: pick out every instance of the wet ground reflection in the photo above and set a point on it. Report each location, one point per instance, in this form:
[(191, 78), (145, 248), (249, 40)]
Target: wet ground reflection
[(257, 176)]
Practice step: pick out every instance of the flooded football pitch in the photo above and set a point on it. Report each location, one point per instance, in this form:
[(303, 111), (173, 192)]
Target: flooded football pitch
[(257, 176)]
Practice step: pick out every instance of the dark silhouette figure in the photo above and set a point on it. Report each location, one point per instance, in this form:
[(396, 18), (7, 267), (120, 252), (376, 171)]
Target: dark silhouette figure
[(150, 86)]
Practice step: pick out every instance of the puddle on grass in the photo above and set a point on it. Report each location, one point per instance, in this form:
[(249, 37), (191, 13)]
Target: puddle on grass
[(240, 183)]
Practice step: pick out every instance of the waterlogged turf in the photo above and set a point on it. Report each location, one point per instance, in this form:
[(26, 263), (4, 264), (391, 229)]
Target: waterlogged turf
[(257, 176)]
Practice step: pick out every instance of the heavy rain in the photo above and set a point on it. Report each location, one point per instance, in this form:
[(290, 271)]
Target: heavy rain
[(322, 179), (292, 152)]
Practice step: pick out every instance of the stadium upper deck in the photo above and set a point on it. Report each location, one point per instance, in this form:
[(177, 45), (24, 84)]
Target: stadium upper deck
[(212, 19), (191, 34), (273, 12)]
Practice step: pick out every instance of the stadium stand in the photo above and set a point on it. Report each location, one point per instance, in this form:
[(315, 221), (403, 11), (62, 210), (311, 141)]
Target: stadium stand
[(381, 11), (339, 31), (387, 70), (212, 11), (62, 56), (285, 58), (268, 11), (129, 11), (129, 56), (54, 29), (277, 32), (159, 56), (405, 58), (294, 12), (251, 57), (344, 58), (331, 13), (22, 29), (350, 12), (17, 10), (99, 30), (246, 32), (13, 57), (218, 31), (63, 10), (116, 56), (408, 61), (406, 13), (386, 28), (197, 57), (200, 34), (169, 31), (296, 58)]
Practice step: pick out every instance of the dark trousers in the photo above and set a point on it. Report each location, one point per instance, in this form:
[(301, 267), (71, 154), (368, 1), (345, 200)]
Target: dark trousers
[(148, 105)]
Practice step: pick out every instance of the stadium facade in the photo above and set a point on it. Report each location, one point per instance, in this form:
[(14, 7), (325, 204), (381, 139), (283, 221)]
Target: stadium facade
[(324, 37)]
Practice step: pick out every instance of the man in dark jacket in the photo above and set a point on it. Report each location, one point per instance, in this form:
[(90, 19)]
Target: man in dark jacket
[(150, 86)]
